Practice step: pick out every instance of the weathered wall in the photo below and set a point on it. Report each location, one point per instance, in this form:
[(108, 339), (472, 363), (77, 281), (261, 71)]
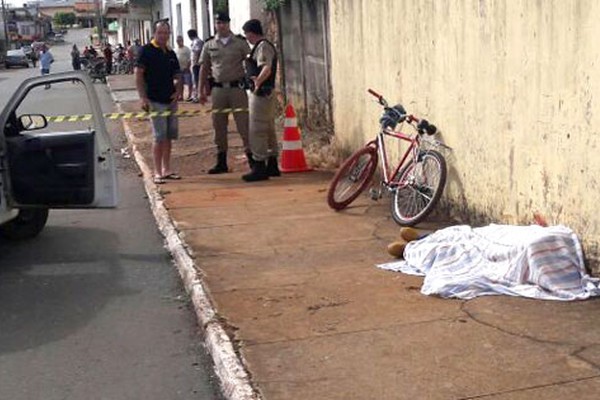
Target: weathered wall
[(181, 26), (513, 85), (241, 11), (305, 50)]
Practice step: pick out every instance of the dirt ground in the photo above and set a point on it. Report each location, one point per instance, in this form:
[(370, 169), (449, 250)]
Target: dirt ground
[(194, 152)]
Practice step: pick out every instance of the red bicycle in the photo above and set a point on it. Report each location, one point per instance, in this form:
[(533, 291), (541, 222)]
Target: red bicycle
[(417, 182)]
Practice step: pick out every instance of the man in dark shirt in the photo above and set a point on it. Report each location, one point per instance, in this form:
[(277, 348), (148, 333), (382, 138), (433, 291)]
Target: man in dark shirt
[(108, 58), (159, 85)]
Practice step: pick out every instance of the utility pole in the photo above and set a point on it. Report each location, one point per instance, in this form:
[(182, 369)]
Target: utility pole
[(5, 25), (99, 19)]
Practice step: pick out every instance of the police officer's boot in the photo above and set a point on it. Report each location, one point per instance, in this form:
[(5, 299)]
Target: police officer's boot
[(221, 166), (250, 159), (259, 172), (273, 167)]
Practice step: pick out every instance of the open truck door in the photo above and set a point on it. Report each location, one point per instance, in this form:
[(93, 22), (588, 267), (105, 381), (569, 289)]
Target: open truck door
[(49, 162)]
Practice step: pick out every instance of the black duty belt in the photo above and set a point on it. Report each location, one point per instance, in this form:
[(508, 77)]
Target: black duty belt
[(232, 84)]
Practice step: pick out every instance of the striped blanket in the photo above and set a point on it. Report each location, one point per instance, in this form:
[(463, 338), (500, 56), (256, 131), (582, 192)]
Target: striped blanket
[(530, 261)]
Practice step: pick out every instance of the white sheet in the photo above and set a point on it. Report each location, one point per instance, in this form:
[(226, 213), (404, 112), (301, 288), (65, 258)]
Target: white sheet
[(530, 261)]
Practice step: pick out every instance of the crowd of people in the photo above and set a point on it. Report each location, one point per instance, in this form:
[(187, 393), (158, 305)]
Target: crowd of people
[(224, 67), (117, 59), (228, 70)]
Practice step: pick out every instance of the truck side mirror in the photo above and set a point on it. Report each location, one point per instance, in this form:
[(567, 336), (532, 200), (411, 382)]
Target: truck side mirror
[(30, 122)]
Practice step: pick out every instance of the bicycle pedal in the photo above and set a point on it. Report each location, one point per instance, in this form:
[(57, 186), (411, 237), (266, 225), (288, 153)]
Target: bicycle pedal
[(374, 194)]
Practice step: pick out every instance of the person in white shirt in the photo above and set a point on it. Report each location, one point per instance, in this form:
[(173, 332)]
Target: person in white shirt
[(184, 56), (46, 60), (197, 45)]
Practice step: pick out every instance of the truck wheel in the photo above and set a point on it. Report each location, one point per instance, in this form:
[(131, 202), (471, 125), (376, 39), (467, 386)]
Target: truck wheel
[(28, 224)]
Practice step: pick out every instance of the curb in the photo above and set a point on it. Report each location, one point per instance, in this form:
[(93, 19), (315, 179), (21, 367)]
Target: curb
[(229, 367)]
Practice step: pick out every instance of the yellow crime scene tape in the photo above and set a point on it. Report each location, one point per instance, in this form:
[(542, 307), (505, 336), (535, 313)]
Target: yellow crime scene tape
[(143, 114)]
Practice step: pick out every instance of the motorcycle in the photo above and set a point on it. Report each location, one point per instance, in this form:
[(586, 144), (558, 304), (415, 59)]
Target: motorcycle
[(96, 68)]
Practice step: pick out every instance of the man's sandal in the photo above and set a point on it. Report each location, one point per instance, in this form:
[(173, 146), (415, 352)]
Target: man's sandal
[(158, 180), (172, 176)]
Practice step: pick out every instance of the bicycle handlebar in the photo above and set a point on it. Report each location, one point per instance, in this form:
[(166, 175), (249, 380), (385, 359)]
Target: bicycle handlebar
[(422, 125), (380, 98), (374, 93)]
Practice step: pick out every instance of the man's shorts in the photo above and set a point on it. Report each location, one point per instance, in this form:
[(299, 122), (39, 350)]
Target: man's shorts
[(164, 127), (187, 77)]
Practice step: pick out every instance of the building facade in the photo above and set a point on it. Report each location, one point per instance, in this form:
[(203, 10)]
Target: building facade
[(199, 15), (133, 19), (26, 25)]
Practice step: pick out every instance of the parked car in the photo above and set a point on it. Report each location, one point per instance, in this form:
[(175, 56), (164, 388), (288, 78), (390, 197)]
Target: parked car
[(16, 58), (51, 168)]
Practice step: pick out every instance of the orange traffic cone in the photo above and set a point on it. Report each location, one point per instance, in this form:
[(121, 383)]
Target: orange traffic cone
[(292, 154)]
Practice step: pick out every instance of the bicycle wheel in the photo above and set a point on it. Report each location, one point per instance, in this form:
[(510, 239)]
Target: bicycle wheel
[(422, 184), (352, 178)]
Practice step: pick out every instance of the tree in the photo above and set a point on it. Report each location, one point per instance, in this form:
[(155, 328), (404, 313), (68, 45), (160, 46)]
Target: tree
[(62, 18), (222, 6), (272, 5)]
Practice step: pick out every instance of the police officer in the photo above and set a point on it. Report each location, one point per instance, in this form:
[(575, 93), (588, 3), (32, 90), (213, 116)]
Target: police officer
[(221, 58), (261, 69)]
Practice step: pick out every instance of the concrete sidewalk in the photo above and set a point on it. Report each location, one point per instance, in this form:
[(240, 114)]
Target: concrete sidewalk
[(296, 288)]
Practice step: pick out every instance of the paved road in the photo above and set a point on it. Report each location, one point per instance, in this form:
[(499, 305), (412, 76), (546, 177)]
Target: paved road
[(92, 308)]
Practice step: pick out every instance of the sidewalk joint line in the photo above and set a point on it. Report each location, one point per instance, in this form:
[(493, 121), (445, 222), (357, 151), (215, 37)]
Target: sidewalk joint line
[(471, 316), (278, 249), (328, 335), (525, 389)]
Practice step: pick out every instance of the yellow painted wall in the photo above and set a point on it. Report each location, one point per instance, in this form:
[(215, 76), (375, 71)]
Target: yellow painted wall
[(514, 86)]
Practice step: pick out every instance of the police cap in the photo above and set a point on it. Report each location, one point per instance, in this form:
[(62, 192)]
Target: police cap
[(222, 16)]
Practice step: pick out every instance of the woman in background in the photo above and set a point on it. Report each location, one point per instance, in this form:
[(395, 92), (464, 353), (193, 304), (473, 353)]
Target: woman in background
[(75, 58)]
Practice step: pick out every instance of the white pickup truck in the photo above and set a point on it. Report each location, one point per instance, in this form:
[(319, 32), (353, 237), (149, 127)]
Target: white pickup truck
[(43, 167)]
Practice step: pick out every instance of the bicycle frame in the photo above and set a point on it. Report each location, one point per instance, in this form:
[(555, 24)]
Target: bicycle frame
[(389, 176)]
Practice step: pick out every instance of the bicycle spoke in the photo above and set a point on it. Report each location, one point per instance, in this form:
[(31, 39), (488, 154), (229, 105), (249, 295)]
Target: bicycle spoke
[(417, 202), (344, 186), (421, 192), (356, 172), (347, 186), (420, 189)]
